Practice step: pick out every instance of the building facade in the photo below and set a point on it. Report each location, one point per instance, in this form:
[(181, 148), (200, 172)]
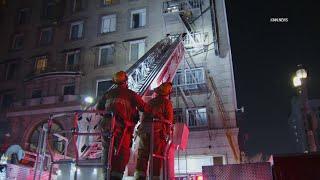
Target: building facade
[(54, 53)]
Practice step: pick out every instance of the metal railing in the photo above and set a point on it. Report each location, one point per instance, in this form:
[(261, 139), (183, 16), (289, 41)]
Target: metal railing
[(180, 5)]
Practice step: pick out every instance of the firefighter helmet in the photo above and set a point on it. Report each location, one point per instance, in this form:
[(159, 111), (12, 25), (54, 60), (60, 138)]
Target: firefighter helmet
[(120, 77), (164, 89)]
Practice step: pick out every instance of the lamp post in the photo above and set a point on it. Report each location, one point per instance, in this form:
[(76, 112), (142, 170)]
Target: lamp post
[(300, 82)]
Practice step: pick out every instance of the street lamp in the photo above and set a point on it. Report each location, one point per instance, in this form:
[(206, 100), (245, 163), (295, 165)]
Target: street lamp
[(88, 100), (296, 81), (300, 82), (300, 77)]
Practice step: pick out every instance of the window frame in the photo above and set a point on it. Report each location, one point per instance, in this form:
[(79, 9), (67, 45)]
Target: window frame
[(27, 18), (184, 80), (188, 85), (197, 125), (46, 63), (36, 89), (42, 30), (74, 5), (7, 67), (138, 11), (14, 40), (48, 4), (103, 4), (67, 58), (136, 42), (99, 54), (69, 85), (101, 80), (102, 23), (80, 22)]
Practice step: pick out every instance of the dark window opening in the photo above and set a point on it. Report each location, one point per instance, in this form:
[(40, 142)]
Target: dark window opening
[(7, 100), (69, 90), (78, 5), (36, 93), (45, 36), (23, 16), (10, 71), (135, 20), (103, 86), (17, 42)]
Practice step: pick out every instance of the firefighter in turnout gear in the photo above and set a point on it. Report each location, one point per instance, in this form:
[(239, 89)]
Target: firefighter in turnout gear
[(161, 128), (124, 104)]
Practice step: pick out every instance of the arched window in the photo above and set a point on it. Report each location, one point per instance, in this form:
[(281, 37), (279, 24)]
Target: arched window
[(56, 143)]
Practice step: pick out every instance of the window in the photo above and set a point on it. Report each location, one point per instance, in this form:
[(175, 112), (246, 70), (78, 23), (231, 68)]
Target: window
[(78, 5), (108, 23), (69, 90), (7, 100), (106, 55), (197, 117), (76, 30), (49, 9), (137, 49), (72, 60), (41, 64), (37, 93), (45, 36), (194, 77), (10, 71), (138, 18), (218, 160), (178, 79), (108, 2), (23, 16), (103, 86), (17, 41), (190, 78)]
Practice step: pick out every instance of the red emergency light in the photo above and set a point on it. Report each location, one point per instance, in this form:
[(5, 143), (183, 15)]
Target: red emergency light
[(200, 177)]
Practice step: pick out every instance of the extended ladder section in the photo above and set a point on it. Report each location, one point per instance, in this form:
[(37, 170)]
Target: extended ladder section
[(184, 12), (158, 65)]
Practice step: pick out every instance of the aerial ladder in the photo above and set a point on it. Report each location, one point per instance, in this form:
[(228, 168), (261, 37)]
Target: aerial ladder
[(158, 65)]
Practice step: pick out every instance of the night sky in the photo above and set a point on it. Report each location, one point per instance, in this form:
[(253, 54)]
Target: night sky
[(265, 56)]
